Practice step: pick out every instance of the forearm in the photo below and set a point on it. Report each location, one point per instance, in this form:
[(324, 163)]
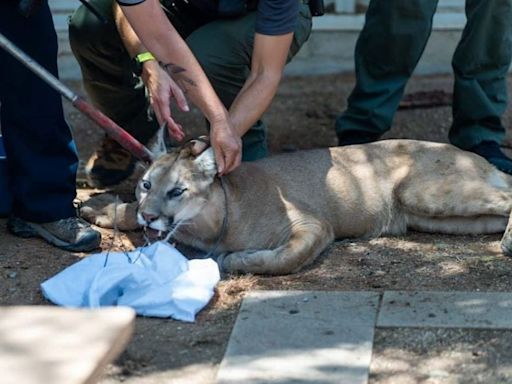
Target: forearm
[(133, 44), (128, 36), (268, 61), (162, 40), (253, 100)]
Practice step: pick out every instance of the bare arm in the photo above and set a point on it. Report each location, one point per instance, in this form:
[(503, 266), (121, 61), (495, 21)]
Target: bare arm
[(159, 36), (268, 61), (160, 85)]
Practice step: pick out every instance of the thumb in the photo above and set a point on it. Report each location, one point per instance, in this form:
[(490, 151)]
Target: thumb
[(219, 159)]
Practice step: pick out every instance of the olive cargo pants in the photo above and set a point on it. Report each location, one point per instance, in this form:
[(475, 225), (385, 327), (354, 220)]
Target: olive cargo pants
[(391, 44), (41, 153)]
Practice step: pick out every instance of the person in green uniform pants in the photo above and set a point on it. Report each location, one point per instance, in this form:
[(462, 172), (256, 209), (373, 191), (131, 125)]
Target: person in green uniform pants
[(387, 51)]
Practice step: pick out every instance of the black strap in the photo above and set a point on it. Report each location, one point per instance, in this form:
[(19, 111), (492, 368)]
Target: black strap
[(223, 228)]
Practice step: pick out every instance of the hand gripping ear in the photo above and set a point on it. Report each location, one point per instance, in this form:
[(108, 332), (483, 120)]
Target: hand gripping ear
[(205, 162)]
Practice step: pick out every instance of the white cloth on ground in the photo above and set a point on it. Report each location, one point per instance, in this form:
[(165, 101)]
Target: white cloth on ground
[(156, 281)]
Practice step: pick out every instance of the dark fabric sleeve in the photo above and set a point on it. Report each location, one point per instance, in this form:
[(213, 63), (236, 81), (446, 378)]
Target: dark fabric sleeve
[(277, 17), (129, 2)]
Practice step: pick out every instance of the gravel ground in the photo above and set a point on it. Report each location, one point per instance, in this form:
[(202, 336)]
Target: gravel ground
[(302, 117)]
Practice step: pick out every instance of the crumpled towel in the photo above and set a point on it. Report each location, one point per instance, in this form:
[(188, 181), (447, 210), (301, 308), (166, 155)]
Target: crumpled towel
[(156, 280)]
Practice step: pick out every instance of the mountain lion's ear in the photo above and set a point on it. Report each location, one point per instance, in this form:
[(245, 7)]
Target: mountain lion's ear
[(195, 147), (205, 162), (199, 145), (161, 143)]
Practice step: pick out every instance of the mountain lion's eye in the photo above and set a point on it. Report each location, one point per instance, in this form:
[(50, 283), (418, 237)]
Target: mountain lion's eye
[(175, 192), (146, 185)]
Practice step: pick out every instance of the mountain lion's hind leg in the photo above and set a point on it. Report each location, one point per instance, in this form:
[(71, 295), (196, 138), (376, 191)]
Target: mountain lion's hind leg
[(307, 240), (455, 205)]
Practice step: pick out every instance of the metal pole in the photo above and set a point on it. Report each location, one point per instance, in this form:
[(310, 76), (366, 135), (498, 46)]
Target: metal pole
[(36, 68), (117, 133)]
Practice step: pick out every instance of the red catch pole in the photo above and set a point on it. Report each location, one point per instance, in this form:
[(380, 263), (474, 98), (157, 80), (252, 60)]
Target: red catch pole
[(117, 133)]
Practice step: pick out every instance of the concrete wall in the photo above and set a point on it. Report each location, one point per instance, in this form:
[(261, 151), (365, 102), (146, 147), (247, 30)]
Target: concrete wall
[(61, 10), (330, 49)]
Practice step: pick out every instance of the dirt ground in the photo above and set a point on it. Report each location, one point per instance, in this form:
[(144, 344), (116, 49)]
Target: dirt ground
[(302, 116)]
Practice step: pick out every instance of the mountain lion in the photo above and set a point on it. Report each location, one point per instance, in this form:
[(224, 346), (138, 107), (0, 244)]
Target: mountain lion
[(276, 215)]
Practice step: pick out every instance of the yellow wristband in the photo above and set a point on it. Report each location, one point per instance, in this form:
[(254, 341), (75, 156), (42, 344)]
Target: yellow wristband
[(145, 56)]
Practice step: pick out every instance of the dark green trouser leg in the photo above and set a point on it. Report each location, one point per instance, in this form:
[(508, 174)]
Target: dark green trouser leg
[(387, 51), (480, 66), (224, 49), (106, 71)]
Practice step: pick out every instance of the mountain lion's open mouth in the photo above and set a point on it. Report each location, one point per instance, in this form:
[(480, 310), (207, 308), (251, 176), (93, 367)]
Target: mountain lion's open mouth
[(156, 234)]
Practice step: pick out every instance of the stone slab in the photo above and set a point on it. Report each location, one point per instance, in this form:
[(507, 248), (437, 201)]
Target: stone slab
[(487, 310), (301, 337), (44, 344)]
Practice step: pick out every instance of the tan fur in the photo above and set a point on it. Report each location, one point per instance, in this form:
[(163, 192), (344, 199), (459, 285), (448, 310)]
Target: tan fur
[(282, 212)]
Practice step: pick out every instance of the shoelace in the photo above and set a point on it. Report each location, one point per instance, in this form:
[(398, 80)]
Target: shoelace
[(73, 223)]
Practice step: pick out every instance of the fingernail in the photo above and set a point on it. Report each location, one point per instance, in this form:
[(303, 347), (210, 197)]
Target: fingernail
[(187, 108)]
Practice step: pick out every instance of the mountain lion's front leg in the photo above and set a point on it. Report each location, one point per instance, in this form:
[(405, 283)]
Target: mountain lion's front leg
[(107, 211), (307, 240)]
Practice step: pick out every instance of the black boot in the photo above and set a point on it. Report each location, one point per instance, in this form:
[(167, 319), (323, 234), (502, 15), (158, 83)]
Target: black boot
[(356, 137), (491, 151)]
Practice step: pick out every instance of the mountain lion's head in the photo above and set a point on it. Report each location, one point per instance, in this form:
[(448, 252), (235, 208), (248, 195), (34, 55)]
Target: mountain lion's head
[(175, 188)]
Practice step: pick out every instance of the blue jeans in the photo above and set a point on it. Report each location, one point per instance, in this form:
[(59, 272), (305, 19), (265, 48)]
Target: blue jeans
[(41, 154)]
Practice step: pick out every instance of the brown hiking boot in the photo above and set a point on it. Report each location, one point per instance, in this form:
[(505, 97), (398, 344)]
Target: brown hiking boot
[(109, 165), (72, 234)]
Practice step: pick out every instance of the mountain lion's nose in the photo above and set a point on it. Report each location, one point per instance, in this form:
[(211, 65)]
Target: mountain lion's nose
[(148, 217)]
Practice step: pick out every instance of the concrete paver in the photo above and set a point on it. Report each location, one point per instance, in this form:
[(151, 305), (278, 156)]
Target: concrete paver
[(301, 336), (42, 344), (491, 310)]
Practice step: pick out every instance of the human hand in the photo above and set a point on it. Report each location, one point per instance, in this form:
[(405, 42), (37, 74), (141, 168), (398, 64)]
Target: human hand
[(162, 88), (226, 145)]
